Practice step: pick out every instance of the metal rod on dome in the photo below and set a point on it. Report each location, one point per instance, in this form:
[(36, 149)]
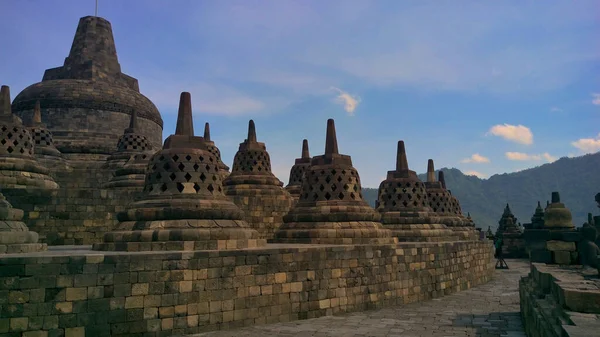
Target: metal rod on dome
[(96, 12)]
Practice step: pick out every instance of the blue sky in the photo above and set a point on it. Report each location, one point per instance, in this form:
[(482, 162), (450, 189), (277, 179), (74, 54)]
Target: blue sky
[(483, 86)]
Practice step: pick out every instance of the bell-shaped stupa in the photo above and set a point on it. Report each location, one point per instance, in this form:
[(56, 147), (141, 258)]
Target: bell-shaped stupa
[(19, 168), (507, 223), (183, 207), (130, 143), (212, 148), (255, 189), (297, 172), (404, 206), (537, 220), (88, 101), (331, 208), (44, 150), (557, 216), (15, 237), (132, 175)]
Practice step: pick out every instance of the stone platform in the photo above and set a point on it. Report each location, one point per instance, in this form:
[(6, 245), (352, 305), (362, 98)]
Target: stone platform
[(74, 291), (489, 310), (560, 301)]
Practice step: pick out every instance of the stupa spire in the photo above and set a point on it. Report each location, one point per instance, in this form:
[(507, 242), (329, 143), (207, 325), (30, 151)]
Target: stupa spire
[(430, 171), (185, 123), (5, 109), (251, 132), (207, 132), (442, 179), (37, 113), (305, 153), (331, 146), (132, 122), (555, 197), (401, 160)]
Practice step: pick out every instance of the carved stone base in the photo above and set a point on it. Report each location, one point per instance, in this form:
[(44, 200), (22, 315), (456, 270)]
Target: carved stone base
[(350, 232), (19, 248)]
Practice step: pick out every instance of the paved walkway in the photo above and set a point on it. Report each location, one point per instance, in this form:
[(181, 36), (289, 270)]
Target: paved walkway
[(491, 309)]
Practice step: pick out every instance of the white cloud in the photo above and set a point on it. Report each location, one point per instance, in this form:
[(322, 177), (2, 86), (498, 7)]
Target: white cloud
[(515, 133), (520, 156), (476, 158), (588, 145), (555, 109), (475, 173), (348, 101), (596, 99)]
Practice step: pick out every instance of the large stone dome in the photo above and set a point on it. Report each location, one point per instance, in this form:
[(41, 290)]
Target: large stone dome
[(88, 101)]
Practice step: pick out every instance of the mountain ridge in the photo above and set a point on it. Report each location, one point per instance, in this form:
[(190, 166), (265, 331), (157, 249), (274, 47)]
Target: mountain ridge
[(485, 199)]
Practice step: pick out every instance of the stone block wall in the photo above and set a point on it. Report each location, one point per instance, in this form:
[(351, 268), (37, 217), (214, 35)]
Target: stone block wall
[(553, 247), (560, 301), (80, 212), (85, 293)]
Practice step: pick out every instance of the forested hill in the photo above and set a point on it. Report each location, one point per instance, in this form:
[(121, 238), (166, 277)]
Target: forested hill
[(577, 179)]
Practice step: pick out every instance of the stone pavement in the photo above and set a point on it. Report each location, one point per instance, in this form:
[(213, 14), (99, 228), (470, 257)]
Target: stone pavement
[(491, 309)]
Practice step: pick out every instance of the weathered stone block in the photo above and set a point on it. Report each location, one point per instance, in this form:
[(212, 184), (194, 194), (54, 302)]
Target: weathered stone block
[(560, 245)]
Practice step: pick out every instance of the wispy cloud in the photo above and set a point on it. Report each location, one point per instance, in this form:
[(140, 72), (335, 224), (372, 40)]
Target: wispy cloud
[(588, 145), (349, 102), (556, 109), (520, 156), (596, 99), (476, 158), (475, 173), (515, 133)]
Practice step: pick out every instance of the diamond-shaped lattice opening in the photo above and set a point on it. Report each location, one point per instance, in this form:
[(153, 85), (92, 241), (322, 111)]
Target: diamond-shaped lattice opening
[(202, 177), (175, 157), (346, 187), (4, 128), (339, 179), (341, 196), (210, 159), (327, 196), (163, 187), (321, 188), (259, 169), (187, 176), (150, 188), (207, 167), (158, 176), (10, 149), (394, 203), (197, 187), (214, 177), (328, 179), (196, 167), (180, 187), (352, 196), (181, 166), (173, 176), (201, 158), (210, 188), (167, 166), (188, 157), (22, 150), (161, 158), (333, 187), (16, 142), (405, 203), (355, 188), (315, 196), (9, 135)]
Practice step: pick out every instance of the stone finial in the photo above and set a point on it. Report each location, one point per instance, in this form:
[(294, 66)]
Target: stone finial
[(5, 109), (401, 160), (251, 132), (37, 113), (442, 179), (185, 122), (207, 132), (590, 219), (331, 146), (305, 153), (430, 171), (132, 122), (555, 197)]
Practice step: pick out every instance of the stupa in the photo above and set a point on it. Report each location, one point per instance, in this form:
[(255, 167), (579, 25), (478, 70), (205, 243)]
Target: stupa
[(297, 172), (132, 176), (404, 206), (331, 208), (183, 207), (15, 237), (557, 216), (514, 242), (445, 205), (255, 189), (130, 143), (537, 220), (44, 149), (212, 148), (19, 169), (88, 101), (468, 226)]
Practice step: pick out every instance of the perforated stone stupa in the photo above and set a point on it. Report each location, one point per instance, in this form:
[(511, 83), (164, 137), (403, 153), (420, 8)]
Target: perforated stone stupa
[(212, 148), (255, 189), (445, 205), (297, 172), (19, 168), (509, 231), (44, 150), (129, 144), (331, 208), (87, 102), (15, 237), (404, 206), (183, 207), (132, 176)]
